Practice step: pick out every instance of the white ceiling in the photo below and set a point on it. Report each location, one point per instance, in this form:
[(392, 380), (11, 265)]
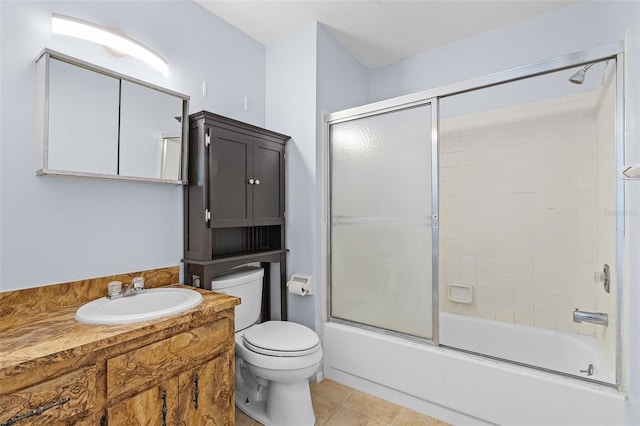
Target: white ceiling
[(379, 32)]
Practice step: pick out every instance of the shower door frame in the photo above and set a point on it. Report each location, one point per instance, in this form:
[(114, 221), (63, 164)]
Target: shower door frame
[(362, 112), (613, 51)]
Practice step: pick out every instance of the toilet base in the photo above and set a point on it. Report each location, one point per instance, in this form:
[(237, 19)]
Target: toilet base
[(287, 405), (254, 409)]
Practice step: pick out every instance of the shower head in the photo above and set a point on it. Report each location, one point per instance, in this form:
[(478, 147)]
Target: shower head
[(578, 77)]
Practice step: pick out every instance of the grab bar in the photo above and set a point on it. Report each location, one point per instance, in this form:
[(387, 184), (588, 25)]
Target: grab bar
[(592, 317)]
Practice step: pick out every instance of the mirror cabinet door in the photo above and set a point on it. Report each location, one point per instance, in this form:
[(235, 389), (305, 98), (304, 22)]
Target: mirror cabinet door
[(83, 120), (148, 119)]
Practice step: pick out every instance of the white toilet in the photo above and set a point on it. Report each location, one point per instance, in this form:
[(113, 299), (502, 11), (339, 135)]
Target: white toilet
[(274, 359)]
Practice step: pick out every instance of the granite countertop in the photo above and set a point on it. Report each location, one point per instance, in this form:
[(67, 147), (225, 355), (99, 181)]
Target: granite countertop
[(41, 338)]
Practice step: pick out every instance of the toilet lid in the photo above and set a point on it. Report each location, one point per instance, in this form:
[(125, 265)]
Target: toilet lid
[(281, 338)]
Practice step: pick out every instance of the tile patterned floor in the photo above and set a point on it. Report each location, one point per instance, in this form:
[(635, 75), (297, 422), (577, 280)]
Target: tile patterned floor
[(335, 404)]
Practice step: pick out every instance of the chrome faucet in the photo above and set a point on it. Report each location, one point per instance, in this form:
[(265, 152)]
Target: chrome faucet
[(131, 290), (592, 317), (115, 290)]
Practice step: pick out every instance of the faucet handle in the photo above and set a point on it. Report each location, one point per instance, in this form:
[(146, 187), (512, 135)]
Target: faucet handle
[(138, 283), (114, 288)]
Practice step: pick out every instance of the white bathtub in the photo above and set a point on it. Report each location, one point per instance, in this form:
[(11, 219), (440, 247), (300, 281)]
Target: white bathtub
[(549, 349), (463, 388)]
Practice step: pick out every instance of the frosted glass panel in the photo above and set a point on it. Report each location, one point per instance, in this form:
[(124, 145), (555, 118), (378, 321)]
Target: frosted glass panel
[(382, 166), (381, 221)]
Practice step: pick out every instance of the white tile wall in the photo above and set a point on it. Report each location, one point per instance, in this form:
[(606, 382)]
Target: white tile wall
[(518, 211)]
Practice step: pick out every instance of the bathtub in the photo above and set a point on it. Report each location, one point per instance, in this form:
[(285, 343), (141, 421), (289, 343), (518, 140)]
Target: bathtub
[(467, 389), (552, 350)]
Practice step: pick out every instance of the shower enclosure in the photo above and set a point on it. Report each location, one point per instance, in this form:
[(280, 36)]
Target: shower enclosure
[(482, 215)]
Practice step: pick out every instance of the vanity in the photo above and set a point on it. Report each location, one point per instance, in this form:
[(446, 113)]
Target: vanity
[(176, 370)]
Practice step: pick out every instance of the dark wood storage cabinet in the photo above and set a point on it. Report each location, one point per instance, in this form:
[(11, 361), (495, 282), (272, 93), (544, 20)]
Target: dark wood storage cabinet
[(234, 203)]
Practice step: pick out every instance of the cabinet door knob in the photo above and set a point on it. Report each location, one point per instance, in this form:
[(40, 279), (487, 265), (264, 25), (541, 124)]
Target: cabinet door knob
[(257, 181), (251, 181)]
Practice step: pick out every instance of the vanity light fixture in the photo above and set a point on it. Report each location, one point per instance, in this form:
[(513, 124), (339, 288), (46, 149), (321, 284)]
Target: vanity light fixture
[(67, 25)]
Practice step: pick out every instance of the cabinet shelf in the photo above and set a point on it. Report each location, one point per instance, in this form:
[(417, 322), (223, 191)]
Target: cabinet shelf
[(230, 241), (244, 257)]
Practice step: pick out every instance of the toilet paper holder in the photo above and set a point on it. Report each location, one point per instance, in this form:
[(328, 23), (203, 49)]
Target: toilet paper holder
[(301, 285)]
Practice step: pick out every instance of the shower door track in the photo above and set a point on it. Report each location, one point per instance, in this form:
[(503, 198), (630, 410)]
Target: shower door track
[(571, 60), (535, 367)]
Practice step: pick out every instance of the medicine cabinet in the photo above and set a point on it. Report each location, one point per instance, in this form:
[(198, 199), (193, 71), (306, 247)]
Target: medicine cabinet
[(96, 123)]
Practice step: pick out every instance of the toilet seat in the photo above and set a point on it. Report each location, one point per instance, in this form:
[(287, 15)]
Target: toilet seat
[(281, 338)]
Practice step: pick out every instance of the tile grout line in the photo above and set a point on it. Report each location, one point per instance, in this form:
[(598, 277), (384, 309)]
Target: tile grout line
[(330, 415), (341, 404), (393, 422)]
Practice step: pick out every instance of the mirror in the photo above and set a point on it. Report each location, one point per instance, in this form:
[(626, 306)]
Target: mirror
[(100, 124), (146, 115), (77, 95)]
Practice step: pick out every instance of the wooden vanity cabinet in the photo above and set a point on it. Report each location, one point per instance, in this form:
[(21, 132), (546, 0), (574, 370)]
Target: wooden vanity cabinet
[(234, 205), (57, 371), (199, 396), (181, 375), (186, 379)]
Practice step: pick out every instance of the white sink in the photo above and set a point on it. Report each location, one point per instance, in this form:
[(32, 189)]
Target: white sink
[(150, 304)]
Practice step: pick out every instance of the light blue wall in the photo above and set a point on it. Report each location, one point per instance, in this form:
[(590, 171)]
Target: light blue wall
[(567, 30), (62, 229), (342, 81), (308, 72), (291, 94)]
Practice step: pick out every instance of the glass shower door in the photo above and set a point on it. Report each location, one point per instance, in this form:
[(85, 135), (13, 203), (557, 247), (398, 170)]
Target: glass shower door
[(528, 202), (381, 221)]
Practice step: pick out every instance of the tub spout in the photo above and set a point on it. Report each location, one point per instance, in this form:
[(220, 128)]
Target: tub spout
[(592, 317)]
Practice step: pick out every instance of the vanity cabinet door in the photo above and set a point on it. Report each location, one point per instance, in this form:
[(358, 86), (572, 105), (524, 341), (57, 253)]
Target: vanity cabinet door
[(157, 406), (139, 369), (207, 393), (54, 402), (158, 384)]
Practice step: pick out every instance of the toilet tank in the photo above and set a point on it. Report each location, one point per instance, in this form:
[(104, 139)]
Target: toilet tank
[(245, 283)]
